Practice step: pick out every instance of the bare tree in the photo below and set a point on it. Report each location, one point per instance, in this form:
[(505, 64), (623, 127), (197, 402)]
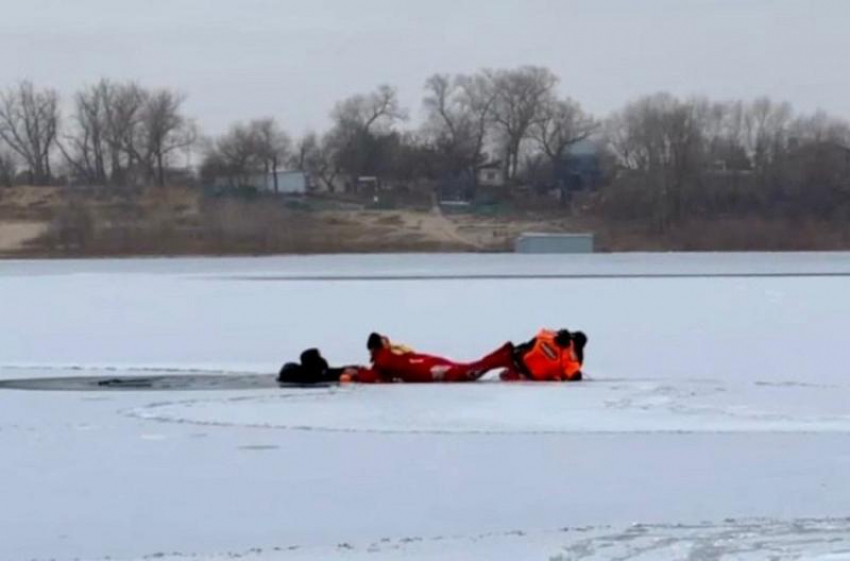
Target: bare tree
[(814, 171), (272, 145), (660, 137), (459, 118), (29, 120), (316, 157), (162, 130), (233, 155), (261, 146), (123, 132), (766, 125), (88, 149), (723, 127), (304, 148), (366, 113), (561, 124), (124, 123), (476, 101), (820, 127), (359, 123), (521, 95)]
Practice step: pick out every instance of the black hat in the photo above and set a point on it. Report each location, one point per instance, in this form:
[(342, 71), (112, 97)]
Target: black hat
[(374, 342), (313, 362)]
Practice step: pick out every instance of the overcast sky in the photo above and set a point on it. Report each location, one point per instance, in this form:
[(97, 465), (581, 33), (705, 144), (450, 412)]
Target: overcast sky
[(240, 59)]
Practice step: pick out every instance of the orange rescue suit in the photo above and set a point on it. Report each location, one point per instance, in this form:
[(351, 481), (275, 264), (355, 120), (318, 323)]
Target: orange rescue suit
[(546, 361)]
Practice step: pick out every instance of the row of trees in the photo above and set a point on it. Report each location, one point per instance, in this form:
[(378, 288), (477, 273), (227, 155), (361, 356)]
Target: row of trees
[(665, 156), (468, 118), (118, 133), (697, 156)]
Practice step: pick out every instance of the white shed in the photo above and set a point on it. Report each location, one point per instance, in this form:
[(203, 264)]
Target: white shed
[(288, 182), (554, 243)]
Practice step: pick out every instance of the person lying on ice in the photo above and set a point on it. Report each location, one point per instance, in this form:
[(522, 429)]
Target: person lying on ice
[(314, 369), (552, 356), (393, 363)]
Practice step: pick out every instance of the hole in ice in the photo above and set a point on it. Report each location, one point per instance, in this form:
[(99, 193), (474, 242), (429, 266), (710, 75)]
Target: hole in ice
[(165, 382)]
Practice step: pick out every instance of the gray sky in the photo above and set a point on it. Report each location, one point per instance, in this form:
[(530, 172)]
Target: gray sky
[(240, 59)]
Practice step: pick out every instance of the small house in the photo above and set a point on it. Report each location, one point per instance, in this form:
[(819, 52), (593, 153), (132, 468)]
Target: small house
[(491, 174)]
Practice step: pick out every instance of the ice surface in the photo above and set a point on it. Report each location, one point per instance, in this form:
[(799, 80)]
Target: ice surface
[(716, 419), (741, 540), (493, 408)]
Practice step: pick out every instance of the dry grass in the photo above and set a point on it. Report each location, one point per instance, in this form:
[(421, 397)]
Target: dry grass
[(14, 236), (224, 227), (728, 234), (28, 203), (79, 222), (760, 234)]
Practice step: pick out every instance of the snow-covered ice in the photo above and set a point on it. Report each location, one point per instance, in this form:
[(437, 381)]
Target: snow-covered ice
[(704, 406), (716, 424)]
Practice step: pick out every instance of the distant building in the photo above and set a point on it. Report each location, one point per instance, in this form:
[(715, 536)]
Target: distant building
[(491, 174), (288, 182), (581, 170), (368, 185), (465, 186), (554, 243)]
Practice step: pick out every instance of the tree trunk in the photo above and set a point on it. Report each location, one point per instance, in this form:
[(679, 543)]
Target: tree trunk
[(160, 170), (39, 175)]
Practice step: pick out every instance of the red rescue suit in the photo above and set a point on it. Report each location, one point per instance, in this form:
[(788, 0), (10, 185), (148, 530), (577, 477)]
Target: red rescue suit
[(393, 366)]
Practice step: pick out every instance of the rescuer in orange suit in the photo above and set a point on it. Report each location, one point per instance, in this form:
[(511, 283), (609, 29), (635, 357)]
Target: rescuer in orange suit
[(552, 356)]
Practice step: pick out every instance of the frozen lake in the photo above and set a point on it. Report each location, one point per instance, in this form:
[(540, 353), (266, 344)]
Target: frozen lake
[(716, 423)]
